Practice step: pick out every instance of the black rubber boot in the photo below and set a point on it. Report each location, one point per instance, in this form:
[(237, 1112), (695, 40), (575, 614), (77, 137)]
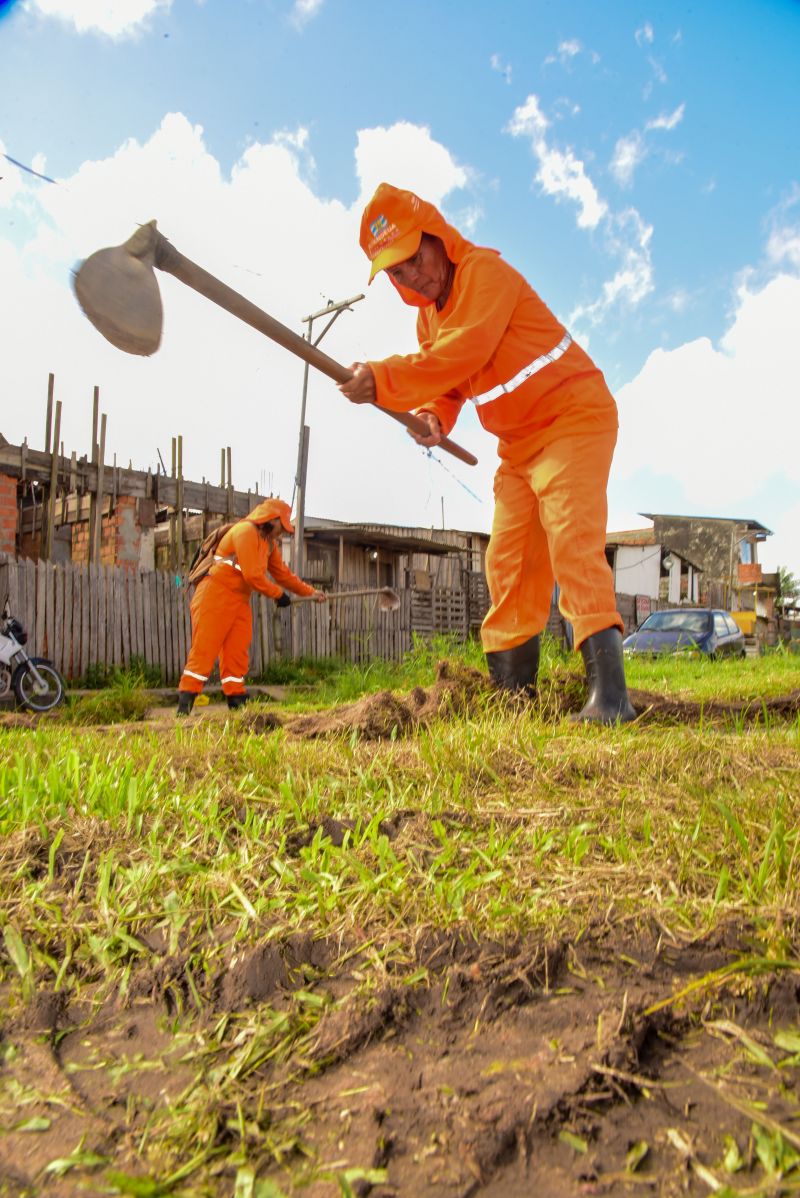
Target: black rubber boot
[(516, 669), (608, 701), (235, 701), (185, 702)]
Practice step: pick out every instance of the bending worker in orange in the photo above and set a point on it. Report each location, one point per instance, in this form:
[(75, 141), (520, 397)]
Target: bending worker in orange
[(487, 338), (220, 607)]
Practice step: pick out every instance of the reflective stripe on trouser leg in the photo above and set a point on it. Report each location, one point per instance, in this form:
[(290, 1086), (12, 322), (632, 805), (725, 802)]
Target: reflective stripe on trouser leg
[(191, 682), (570, 477), (517, 566), (213, 609), (234, 656)]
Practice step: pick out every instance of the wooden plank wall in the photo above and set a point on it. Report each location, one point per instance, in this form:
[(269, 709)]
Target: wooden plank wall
[(89, 619)]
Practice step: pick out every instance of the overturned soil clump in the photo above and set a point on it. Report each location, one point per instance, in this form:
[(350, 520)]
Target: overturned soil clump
[(458, 689), (461, 691)]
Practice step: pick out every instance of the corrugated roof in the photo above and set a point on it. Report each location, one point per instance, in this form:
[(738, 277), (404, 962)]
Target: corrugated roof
[(632, 536), (359, 534)]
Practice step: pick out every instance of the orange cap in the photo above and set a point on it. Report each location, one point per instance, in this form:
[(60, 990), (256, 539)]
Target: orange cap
[(272, 509), (391, 227)]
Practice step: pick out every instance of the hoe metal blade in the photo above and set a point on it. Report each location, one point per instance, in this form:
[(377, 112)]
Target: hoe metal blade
[(117, 290)]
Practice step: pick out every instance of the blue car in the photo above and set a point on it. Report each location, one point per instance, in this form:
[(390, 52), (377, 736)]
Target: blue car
[(688, 630)]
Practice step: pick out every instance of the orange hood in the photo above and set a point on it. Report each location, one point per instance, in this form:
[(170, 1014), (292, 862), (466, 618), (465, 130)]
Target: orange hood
[(272, 509), (391, 227)]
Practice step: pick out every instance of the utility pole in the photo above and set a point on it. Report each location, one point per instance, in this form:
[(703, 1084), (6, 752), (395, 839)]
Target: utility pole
[(332, 310)]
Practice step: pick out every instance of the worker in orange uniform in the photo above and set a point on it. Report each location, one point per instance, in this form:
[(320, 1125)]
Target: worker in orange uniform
[(485, 337), (221, 618)]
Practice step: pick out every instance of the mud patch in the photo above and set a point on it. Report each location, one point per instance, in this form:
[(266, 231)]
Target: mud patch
[(478, 1068), (536, 1069), (656, 709), (253, 977)]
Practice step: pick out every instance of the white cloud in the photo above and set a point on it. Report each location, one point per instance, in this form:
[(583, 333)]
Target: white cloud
[(783, 246), (567, 50), (645, 35), (629, 239), (305, 11), (263, 229), (116, 18), (501, 67), (560, 173), (679, 300), (724, 421), (631, 150), (628, 153), (407, 155), (667, 120), (563, 106), (658, 70)]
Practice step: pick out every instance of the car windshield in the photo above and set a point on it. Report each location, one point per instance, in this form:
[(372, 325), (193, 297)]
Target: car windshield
[(676, 621)]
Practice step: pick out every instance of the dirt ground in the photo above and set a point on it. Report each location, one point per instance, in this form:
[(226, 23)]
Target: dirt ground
[(624, 1062), (457, 690), (526, 1068)]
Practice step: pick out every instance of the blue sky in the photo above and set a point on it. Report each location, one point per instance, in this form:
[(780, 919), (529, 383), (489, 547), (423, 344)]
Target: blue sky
[(639, 163)]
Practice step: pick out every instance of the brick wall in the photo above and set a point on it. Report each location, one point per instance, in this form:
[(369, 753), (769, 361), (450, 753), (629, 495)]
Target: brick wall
[(749, 573), (8, 515), (108, 540), (120, 537)]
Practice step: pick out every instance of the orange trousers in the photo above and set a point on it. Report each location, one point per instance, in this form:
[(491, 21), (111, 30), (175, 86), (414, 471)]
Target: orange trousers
[(550, 524), (222, 627)]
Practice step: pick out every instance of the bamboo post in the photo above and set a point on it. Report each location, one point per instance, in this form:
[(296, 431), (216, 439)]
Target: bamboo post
[(97, 531), (173, 549), (47, 532), (93, 494), (179, 506), (51, 383)]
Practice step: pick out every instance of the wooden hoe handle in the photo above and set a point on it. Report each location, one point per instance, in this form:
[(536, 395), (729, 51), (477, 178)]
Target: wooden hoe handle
[(169, 259)]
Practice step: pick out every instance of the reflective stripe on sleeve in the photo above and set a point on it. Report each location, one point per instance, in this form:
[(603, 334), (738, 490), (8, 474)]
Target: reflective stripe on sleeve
[(527, 372), (227, 561)]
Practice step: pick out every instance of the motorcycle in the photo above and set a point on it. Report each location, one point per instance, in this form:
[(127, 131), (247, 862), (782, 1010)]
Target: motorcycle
[(36, 682)]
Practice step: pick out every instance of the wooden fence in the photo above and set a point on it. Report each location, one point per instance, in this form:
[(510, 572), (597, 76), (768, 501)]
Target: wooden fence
[(89, 619)]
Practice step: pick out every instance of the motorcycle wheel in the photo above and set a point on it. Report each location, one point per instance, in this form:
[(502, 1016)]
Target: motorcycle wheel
[(25, 686)]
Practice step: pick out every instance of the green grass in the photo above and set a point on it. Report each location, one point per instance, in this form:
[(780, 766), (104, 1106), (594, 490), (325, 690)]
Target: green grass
[(123, 699), (776, 673), (505, 824)]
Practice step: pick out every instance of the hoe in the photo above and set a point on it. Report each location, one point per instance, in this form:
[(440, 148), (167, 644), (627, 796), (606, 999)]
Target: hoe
[(117, 289), (388, 598)]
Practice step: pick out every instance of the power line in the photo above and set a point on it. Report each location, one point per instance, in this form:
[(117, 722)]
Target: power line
[(30, 169)]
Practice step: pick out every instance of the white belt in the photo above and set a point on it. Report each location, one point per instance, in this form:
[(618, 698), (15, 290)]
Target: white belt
[(228, 561), (527, 372)]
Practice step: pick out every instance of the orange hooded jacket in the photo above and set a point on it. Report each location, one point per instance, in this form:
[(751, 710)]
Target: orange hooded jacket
[(492, 326), (252, 557)]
